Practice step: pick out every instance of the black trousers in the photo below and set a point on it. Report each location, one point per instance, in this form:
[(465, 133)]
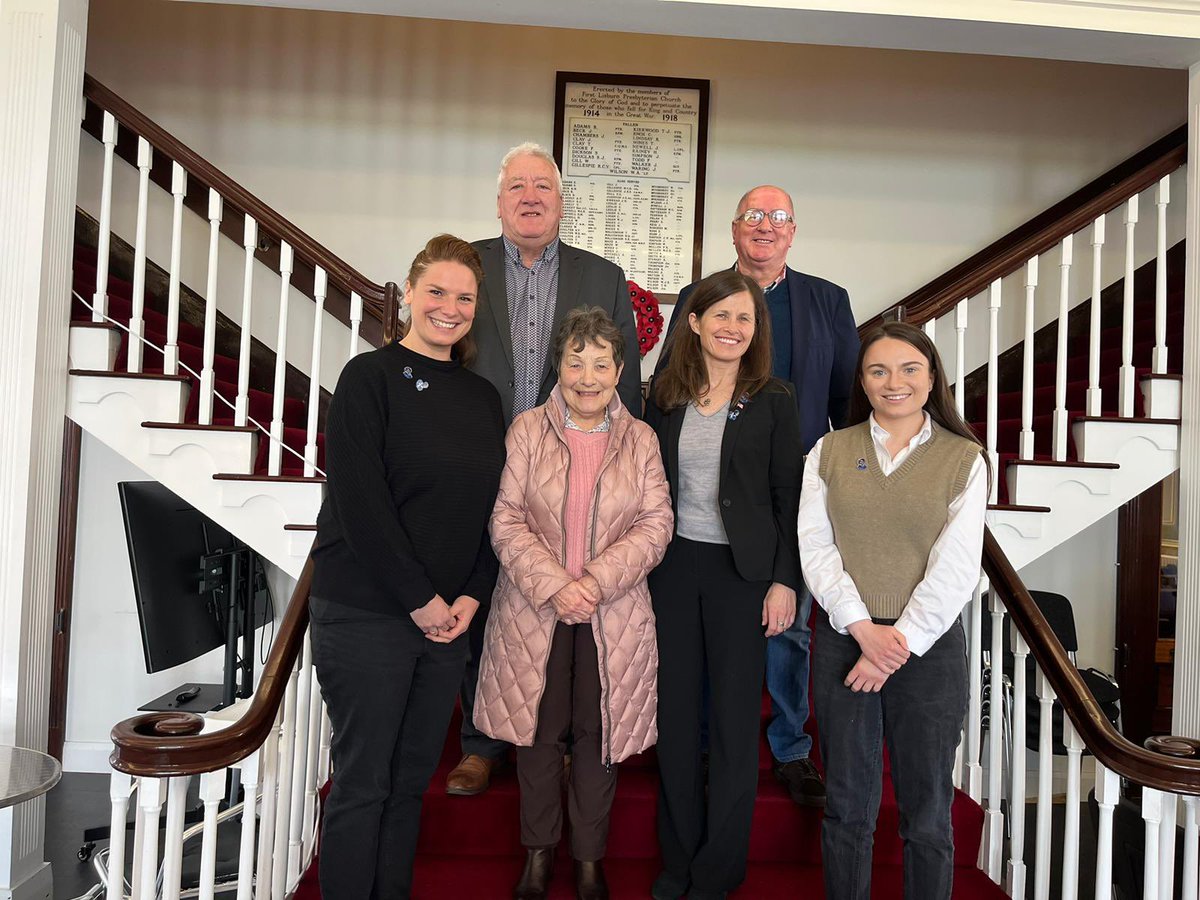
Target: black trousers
[(709, 623), (919, 713), (472, 739), (390, 693), (570, 707)]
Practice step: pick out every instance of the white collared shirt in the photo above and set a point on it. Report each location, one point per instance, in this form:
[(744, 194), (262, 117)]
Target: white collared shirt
[(950, 575)]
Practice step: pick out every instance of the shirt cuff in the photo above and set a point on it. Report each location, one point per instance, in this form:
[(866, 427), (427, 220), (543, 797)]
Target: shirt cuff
[(847, 613), (919, 641)]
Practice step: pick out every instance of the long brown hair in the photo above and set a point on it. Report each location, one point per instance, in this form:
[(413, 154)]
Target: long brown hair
[(939, 404), (447, 248), (684, 379)]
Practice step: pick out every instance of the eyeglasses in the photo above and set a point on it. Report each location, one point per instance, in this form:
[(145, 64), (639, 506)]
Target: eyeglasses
[(777, 217)]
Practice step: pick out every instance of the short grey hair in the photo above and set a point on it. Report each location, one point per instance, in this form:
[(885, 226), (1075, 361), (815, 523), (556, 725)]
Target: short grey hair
[(529, 148), (587, 325)]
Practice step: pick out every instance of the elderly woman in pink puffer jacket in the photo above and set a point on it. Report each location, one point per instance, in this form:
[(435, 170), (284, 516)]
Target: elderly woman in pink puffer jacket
[(583, 514)]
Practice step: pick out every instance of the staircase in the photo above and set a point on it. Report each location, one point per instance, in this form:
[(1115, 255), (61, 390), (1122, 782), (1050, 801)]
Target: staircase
[(1070, 445)]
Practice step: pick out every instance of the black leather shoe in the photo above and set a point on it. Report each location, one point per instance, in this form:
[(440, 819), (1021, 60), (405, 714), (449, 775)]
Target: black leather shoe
[(668, 887), (802, 780), (589, 881), (535, 880)]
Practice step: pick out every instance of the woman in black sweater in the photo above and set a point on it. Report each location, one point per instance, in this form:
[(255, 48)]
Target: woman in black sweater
[(402, 561)]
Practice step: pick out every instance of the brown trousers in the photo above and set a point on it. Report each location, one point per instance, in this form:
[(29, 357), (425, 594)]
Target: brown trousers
[(570, 708)]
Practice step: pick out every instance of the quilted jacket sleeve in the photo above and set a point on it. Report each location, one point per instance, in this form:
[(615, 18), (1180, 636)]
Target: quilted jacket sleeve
[(527, 561), (628, 559)]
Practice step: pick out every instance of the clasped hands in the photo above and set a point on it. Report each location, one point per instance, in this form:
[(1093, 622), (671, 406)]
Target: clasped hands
[(575, 603), (884, 650), (442, 622)]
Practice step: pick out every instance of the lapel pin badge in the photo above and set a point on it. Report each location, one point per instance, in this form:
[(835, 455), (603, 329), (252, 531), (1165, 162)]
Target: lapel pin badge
[(422, 384), (408, 371), (861, 464), (734, 414)]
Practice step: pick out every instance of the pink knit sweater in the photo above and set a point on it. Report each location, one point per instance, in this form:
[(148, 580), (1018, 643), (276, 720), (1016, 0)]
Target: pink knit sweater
[(587, 452)]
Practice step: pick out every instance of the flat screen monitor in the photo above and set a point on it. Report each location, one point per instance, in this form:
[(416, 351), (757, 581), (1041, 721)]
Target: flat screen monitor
[(167, 537)]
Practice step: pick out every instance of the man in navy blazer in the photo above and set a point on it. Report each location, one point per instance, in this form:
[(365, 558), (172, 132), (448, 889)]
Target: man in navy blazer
[(815, 347)]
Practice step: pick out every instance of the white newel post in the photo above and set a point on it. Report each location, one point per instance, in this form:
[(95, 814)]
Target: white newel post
[(1186, 705), (41, 74)]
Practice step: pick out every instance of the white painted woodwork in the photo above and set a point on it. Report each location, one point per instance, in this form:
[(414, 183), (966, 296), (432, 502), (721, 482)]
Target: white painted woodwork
[(299, 764), (275, 451), (1031, 282), (137, 325), (249, 767), (287, 757), (119, 787), (212, 789), (1015, 879), (930, 329), (1125, 393), (104, 235), (266, 813), (960, 353), (207, 376), (94, 349), (974, 702), (139, 832), (1094, 400), (1061, 424), (151, 794), (1166, 847), (1070, 872), (1162, 396), (1152, 805), (320, 285), (994, 814), (1108, 794), (312, 781), (1191, 850), (993, 374), (173, 842), (1158, 363), (356, 314), (325, 765), (1045, 758), (178, 192), (249, 244)]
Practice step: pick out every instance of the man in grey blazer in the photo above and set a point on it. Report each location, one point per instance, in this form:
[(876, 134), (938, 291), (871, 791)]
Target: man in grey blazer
[(531, 280)]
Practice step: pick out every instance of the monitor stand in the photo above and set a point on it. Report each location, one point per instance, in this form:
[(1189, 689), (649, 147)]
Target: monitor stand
[(193, 697)]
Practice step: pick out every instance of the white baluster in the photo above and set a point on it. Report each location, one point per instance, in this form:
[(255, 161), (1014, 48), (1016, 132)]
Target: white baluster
[(1070, 870), (1062, 424), (275, 454), (1094, 406), (1166, 847), (1152, 809), (995, 809), (1108, 794), (212, 791), (100, 297), (173, 845), (356, 314), (137, 325), (266, 813), (993, 371), (1159, 362), (287, 758), (210, 308), (249, 767), (299, 764), (249, 243), (314, 376), (178, 192), (1128, 382), (1041, 868), (326, 763), (1191, 849), (139, 830), (1031, 280), (150, 801), (119, 785), (960, 354), (930, 329), (310, 770), (974, 703), (1015, 886)]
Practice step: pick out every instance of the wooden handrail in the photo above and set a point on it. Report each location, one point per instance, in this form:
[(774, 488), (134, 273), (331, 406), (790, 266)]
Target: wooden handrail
[(1166, 763), (159, 744), (1041, 233), (380, 301)]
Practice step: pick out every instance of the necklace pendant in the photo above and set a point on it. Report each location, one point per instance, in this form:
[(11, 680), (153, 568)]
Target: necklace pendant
[(706, 401)]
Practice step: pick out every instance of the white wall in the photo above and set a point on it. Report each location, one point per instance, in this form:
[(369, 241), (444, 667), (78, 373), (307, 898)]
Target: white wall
[(107, 681), (374, 132)]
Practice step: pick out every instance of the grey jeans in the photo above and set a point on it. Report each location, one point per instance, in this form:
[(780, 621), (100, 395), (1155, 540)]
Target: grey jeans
[(919, 713)]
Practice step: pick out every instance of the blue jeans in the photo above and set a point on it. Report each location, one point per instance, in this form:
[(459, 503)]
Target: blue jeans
[(787, 683)]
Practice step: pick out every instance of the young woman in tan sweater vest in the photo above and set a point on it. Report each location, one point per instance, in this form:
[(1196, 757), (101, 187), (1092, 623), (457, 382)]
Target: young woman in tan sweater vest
[(891, 531)]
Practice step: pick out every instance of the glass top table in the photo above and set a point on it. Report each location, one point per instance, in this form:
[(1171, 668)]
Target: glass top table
[(25, 774)]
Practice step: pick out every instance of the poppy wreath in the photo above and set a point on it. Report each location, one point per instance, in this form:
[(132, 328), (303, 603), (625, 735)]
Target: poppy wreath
[(649, 319)]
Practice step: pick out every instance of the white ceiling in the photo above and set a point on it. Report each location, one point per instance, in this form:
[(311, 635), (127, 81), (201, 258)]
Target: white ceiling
[(1080, 30)]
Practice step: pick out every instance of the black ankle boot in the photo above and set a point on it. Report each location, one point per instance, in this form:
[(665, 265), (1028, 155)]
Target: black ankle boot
[(535, 880), (589, 881)]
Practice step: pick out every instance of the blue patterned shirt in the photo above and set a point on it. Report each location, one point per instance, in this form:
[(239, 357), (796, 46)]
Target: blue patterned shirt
[(532, 293)]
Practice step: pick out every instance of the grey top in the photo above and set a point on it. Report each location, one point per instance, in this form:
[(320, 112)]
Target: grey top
[(698, 517)]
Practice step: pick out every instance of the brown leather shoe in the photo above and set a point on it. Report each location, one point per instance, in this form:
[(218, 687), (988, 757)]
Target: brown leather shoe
[(471, 776), (589, 881), (535, 880)]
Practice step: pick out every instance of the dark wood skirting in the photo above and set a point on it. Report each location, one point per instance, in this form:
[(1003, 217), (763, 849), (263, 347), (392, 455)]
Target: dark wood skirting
[(1139, 553), (64, 587)]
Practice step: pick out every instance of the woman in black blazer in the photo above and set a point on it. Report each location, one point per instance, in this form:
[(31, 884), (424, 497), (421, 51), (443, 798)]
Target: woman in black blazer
[(730, 438)]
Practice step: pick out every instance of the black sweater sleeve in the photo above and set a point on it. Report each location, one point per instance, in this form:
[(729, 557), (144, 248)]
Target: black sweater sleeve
[(357, 483)]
